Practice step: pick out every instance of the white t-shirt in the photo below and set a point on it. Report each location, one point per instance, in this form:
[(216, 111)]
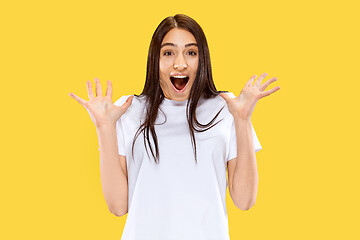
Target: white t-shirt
[(178, 199)]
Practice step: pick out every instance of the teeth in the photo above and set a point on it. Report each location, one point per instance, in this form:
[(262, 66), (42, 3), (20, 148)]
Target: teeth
[(179, 76)]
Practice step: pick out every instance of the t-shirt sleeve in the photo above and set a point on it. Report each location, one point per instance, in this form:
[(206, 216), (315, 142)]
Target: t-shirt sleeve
[(119, 129), (232, 143), (120, 137)]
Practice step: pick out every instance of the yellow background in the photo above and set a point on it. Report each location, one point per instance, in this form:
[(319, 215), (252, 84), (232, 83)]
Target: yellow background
[(309, 164)]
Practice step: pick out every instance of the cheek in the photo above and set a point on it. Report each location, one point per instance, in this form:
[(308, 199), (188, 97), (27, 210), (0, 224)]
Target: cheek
[(194, 64), (164, 68), (163, 80), (165, 62), (161, 65)]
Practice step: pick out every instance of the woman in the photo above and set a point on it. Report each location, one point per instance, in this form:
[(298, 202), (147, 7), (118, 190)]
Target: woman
[(172, 180)]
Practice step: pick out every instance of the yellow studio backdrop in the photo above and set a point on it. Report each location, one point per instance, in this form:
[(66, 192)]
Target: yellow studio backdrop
[(309, 129)]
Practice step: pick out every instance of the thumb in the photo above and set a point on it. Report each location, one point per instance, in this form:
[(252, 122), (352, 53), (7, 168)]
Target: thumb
[(127, 103), (225, 97), (129, 100), (122, 109)]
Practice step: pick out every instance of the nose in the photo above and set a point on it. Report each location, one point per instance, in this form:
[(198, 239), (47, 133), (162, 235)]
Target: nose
[(180, 63)]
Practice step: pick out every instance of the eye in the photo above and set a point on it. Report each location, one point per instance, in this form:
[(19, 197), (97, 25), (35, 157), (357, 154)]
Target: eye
[(192, 53), (166, 53)]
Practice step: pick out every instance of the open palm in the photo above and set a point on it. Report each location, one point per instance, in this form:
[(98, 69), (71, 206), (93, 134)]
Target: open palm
[(243, 105), (101, 109)]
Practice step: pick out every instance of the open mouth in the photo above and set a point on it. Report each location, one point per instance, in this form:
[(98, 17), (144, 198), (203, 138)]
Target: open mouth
[(179, 82)]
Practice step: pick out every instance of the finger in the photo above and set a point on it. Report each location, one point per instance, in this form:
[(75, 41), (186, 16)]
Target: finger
[(90, 90), (225, 97), (249, 83), (267, 83), (80, 100), (122, 109), (128, 102), (98, 88), (109, 89), (261, 77), (268, 92)]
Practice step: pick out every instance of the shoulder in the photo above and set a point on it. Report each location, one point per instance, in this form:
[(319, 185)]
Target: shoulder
[(121, 100), (223, 105), (220, 101), (218, 98), (214, 105), (135, 101), (231, 94)]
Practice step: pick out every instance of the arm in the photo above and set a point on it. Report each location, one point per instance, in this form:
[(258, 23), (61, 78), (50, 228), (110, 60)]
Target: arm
[(113, 171), (105, 114), (243, 173)]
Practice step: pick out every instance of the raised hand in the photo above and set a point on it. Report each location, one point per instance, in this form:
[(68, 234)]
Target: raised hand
[(243, 105), (101, 109)]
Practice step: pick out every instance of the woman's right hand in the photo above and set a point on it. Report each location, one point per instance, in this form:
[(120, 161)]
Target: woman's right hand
[(101, 109)]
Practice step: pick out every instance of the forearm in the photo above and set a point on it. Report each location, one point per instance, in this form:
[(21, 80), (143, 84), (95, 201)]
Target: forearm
[(246, 178), (113, 178)]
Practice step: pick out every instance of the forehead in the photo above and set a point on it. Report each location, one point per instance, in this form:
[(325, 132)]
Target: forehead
[(179, 36)]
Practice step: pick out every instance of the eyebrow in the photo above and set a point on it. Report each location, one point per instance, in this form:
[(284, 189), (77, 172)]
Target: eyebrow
[(174, 45)]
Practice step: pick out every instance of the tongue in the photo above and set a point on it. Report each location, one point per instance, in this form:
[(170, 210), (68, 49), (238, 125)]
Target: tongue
[(179, 83)]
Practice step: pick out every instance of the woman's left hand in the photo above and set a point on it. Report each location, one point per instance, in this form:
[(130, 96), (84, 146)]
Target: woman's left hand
[(243, 105)]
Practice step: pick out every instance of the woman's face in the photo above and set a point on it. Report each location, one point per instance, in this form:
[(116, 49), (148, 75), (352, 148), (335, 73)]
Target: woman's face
[(179, 57)]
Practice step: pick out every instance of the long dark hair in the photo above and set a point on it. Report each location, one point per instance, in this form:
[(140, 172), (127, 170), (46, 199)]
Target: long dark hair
[(203, 84)]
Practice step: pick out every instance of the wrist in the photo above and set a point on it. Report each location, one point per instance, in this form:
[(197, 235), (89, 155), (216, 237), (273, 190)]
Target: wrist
[(106, 127), (242, 118)]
